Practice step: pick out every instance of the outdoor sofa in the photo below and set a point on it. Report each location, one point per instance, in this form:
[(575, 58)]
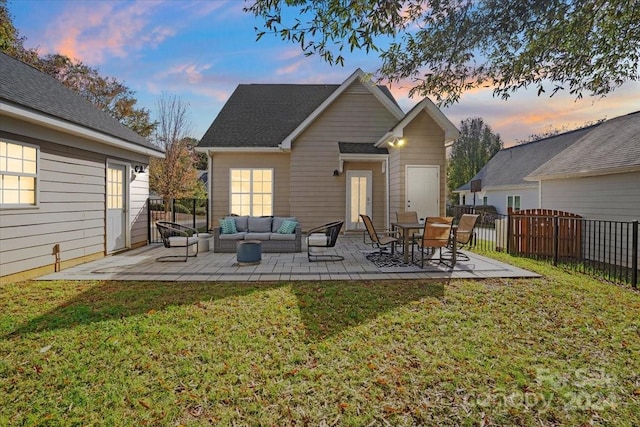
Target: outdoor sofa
[(277, 234)]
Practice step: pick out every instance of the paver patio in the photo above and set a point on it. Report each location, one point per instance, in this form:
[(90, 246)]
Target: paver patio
[(141, 264)]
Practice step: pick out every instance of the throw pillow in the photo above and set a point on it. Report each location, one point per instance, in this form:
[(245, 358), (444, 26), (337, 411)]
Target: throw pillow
[(287, 227), (228, 226)]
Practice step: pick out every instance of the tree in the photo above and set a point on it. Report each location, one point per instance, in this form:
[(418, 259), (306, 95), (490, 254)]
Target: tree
[(175, 176), (449, 46), (473, 149), (106, 93), (11, 42)]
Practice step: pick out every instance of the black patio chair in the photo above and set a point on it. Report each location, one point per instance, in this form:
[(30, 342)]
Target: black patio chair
[(176, 235), (324, 236)]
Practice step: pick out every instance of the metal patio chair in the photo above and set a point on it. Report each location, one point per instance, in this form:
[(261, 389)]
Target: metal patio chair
[(176, 235)]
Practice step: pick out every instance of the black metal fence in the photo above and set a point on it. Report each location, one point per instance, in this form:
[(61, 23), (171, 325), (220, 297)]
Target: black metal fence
[(190, 212), (604, 249)]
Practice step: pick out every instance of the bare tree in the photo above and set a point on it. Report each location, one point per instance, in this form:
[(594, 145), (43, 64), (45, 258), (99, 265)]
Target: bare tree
[(175, 176)]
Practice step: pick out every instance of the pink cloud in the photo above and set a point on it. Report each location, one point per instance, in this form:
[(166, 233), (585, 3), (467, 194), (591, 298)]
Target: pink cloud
[(92, 31)]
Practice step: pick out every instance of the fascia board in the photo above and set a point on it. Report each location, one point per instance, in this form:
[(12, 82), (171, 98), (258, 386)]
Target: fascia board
[(451, 133), (583, 174), (50, 122), (358, 74)]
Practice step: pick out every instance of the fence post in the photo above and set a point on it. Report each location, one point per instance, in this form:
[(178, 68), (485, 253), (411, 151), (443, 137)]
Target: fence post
[(206, 204), (634, 252), (148, 220), (556, 240), (509, 231), (173, 210), (193, 215)]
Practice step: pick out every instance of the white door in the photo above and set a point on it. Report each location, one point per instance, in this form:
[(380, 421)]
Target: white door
[(116, 207), (423, 190), (359, 194)]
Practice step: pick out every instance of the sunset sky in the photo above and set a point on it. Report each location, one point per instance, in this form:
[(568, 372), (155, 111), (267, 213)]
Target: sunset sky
[(201, 50)]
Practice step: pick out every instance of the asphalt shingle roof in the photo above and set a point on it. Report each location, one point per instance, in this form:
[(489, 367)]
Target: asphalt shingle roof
[(360, 148), (263, 115), (612, 145), (509, 166), (28, 87)]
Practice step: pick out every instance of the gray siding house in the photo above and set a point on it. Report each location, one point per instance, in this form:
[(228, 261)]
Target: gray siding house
[(73, 185), (326, 152), (598, 176), (504, 177), (593, 172)]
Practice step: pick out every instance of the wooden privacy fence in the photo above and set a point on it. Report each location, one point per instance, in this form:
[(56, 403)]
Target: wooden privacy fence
[(536, 232)]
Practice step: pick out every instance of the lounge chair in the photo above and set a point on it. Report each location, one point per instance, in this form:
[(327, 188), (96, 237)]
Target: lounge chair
[(381, 240), (176, 235), (323, 236), (435, 235)]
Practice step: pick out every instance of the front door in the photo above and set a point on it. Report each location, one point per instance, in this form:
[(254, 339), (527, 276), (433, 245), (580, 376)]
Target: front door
[(423, 190), (359, 194), (116, 207)]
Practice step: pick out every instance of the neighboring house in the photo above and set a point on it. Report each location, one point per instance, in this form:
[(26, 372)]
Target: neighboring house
[(326, 152), (598, 176), (503, 178), (73, 180)]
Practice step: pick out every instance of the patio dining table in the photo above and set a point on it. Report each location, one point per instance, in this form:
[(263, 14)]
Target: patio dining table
[(406, 228)]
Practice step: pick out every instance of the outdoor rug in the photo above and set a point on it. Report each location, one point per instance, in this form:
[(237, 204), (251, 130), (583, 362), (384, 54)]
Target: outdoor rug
[(394, 263)]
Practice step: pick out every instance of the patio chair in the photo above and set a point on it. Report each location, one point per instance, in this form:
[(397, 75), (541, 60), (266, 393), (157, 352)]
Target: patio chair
[(381, 240), (176, 235), (435, 235), (323, 236), (465, 235)]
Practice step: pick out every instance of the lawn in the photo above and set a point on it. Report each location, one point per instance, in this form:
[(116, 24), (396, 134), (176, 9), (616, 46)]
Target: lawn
[(561, 350)]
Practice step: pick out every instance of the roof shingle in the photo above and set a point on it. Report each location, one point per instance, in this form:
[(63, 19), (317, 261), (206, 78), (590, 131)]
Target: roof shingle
[(28, 87)]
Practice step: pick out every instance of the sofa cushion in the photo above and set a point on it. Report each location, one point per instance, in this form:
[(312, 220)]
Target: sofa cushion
[(260, 224), (256, 236), (242, 222), (227, 226), (318, 239), (278, 220), (235, 236), (287, 227), (280, 236)]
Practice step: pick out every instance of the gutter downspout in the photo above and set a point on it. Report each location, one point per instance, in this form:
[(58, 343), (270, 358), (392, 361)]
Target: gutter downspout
[(387, 185)]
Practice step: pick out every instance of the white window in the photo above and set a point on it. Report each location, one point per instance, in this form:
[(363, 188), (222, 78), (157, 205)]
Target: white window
[(18, 174), (252, 192), (485, 200), (513, 202)]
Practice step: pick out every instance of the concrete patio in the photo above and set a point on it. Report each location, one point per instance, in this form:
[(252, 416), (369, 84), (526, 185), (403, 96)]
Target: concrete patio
[(141, 264)]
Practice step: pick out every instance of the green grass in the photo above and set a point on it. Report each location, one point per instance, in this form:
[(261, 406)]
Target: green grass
[(561, 350)]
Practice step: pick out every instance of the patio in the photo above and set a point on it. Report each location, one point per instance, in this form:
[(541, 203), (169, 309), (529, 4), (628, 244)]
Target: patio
[(141, 264)]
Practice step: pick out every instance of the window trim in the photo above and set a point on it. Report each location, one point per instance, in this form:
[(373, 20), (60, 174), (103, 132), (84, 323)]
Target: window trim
[(36, 196), (273, 176), (513, 196)]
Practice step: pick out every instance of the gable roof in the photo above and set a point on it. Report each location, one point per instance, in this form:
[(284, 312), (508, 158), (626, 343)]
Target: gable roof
[(272, 115), (450, 131), (614, 146), (30, 94), (509, 166)]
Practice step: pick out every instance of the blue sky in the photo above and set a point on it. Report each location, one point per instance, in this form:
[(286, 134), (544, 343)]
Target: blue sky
[(201, 50)]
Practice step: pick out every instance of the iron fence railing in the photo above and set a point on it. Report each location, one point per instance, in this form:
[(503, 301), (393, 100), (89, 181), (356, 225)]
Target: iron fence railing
[(604, 249), (190, 212)]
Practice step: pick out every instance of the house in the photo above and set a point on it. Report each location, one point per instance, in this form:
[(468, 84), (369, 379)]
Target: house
[(503, 179), (324, 152), (73, 185), (598, 175)]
